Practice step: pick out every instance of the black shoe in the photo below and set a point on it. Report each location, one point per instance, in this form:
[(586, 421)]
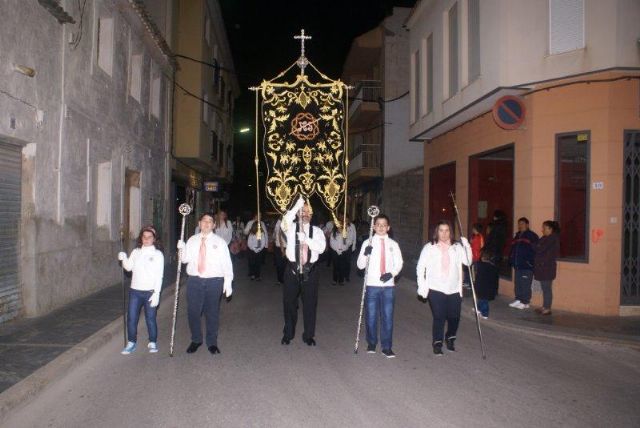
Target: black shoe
[(285, 340), (193, 347), (450, 344), (334, 283), (214, 349), (371, 349), (437, 349), (341, 284), (310, 342), (388, 353)]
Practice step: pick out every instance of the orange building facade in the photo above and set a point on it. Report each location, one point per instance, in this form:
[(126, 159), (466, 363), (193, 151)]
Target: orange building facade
[(567, 161)]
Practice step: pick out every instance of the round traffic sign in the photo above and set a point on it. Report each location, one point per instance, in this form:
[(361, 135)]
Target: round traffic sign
[(509, 112)]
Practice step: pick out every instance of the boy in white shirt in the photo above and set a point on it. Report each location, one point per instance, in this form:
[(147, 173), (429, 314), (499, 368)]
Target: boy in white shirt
[(256, 247), (210, 274), (385, 263)]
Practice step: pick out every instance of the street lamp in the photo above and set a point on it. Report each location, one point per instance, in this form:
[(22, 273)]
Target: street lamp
[(244, 130)]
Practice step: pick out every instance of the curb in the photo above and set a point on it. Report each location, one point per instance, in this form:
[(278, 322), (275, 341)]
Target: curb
[(25, 391), (576, 337)]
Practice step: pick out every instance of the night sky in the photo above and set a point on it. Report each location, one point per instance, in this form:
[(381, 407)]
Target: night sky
[(261, 38)]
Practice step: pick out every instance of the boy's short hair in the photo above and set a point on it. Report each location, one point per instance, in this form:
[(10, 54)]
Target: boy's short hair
[(383, 217), (477, 226), (524, 219), (207, 214)]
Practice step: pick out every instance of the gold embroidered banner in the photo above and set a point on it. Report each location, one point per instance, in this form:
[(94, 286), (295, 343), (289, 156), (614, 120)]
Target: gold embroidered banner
[(304, 138)]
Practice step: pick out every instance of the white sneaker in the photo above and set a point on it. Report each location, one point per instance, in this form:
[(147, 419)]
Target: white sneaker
[(515, 304), (131, 347), (153, 347), (520, 305)]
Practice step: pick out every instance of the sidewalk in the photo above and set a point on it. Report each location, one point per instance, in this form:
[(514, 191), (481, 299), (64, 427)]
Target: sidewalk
[(620, 330), (30, 343)]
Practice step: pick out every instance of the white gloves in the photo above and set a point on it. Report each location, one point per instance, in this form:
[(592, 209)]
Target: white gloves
[(122, 256), (180, 244), (302, 237), (465, 241), (227, 289), (299, 204), (423, 291), (155, 299)]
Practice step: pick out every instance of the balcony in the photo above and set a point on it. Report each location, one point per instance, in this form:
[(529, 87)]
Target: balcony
[(365, 165), (365, 110)]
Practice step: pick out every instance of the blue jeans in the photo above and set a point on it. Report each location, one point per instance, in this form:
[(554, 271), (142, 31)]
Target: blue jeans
[(483, 307), (137, 300), (380, 301)]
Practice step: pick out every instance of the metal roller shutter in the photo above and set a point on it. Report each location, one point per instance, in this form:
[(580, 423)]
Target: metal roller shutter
[(10, 198)]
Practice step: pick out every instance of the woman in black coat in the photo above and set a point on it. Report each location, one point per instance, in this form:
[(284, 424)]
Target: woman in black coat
[(488, 275), (545, 265)]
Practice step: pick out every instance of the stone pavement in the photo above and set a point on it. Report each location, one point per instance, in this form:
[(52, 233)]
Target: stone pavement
[(30, 343)]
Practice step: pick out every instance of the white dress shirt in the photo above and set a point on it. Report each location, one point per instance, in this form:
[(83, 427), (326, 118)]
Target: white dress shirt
[(247, 228), (147, 264), (225, 231), (429, 269), (392, 258), (256, 245), (317, 245), (278, 235), (340, 245), (217, 258)]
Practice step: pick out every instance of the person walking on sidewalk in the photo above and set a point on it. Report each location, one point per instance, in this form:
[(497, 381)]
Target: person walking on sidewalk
[(256, 246), (279, 252), (147, 264), (523, 252), (488, 278), (340, 247), (385, 263), (305, 243), (545, 267), (353, 238), (477, 242), (224, 228), (210, 275), (439, 274)]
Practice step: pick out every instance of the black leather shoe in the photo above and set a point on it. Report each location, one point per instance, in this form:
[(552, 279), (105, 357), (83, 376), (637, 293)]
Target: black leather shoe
[(310, 342), (450, 344), (213, 349), (193, 347), (285, 340)]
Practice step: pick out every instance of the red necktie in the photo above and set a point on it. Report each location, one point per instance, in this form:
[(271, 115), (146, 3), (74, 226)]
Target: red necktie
[(202, 257), (383, 260)]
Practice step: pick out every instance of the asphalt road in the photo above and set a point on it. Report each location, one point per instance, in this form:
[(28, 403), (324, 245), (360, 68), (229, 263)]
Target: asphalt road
[(256, 382)]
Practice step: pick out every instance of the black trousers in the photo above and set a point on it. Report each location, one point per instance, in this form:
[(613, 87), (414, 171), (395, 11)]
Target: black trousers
[(340, 266), (294, 287), (281, 263), (347, 267), (203, 297), (255, 262), (445, 308)]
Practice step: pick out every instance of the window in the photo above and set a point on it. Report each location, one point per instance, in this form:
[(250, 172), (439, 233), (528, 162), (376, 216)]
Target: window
[(214, 146), (415, 69), (154, 98), (103, 202), (566, 25), (474, 39), (105, 45), (430, 73), (572, 193), (205, 108), (453, 50), (135, 84)]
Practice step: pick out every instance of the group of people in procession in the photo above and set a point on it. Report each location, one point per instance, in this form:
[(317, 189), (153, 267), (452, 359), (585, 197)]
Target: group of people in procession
[(445, 264)]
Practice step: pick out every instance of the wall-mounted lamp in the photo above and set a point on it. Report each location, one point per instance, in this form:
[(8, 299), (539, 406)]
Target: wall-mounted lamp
[(23, 69)]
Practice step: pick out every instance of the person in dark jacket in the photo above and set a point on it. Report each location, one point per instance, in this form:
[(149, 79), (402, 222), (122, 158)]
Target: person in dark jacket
[(488, 274), (545, 262), (523, 251)]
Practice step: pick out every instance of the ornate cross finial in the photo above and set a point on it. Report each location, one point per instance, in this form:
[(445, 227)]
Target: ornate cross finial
[(302, 61)]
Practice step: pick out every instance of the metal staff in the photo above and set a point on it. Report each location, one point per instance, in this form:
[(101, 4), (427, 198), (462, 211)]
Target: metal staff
[(185, 210), (373, 212), (473, 286), (124, 290)]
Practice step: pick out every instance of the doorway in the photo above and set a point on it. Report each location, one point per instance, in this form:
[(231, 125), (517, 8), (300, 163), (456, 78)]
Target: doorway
[(442, 182), (630, 272)]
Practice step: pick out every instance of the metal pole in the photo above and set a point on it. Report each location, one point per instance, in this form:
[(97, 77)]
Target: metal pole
[(373, 212), (185, 210), (473, 287)]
